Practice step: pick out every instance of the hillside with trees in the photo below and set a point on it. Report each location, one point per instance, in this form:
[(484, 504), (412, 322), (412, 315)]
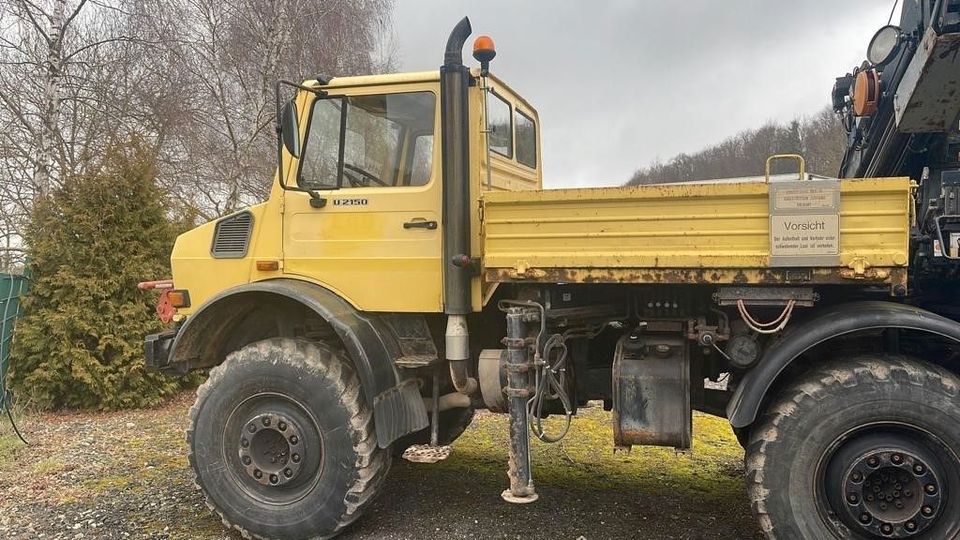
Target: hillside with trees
[(819, 138)]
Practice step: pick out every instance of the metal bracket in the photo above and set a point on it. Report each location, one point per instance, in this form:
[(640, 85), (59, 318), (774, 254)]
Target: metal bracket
[(765, 296)]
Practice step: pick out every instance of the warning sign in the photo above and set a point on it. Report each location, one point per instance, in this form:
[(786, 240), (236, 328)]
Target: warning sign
[(805, 235), (805, 223)]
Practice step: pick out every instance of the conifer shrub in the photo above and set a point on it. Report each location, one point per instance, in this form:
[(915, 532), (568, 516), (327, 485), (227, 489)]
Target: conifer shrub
[(80, 342)]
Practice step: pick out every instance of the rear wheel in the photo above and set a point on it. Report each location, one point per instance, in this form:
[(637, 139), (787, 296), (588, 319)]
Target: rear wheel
[(282, 442), (866, 448)]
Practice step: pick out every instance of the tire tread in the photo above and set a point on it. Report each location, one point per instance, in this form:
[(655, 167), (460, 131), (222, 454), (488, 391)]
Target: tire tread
[(331, 362), (817, 385)]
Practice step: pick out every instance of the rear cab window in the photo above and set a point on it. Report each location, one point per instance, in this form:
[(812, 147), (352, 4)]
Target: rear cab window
[(526, 139), (499, 122)]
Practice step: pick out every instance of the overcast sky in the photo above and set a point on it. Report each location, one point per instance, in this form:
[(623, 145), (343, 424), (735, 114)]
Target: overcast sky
[(620, 83)]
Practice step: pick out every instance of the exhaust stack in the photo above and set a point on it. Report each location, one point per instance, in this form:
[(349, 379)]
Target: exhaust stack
[(454, 85)]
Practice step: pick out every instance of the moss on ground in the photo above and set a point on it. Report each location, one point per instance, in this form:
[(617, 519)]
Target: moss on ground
[(587, 457), (9, 445)]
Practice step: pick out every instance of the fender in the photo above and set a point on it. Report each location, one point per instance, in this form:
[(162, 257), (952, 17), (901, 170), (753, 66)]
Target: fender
[(744, 406), (397, 406)]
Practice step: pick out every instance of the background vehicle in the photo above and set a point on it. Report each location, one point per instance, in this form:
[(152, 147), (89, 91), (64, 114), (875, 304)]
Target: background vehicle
[(408, 269)]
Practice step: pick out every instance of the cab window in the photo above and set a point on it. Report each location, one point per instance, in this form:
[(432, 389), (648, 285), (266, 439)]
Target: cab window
[(420, 161), (500, 136), (526, 140), (369, 141)]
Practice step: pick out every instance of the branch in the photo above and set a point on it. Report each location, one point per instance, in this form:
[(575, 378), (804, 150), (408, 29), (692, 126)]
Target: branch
[(99, 43), (72, 16)]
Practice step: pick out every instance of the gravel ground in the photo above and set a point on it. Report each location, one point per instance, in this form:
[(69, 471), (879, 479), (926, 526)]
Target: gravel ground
[(125, 475)]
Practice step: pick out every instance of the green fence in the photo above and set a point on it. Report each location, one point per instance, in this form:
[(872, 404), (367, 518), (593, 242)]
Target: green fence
[(12, 286)]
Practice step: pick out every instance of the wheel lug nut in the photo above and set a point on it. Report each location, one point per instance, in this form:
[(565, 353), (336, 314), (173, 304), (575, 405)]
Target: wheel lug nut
[(244, 442), (896, 459), (294, 439), (288, 473), (258, 474), (886, 528), (931, 489), (266, 420), (907, 493), (919, 469), (869, 498), (899, 505), (246, 460), (274, 479), (927, 511), (282, 426), (856, 476), (295, 458), (852, 498), (883, 506), (251, 428), (865, 518), (873, 461)]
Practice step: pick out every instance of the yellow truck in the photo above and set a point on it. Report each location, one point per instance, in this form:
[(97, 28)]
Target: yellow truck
[(408, 268)]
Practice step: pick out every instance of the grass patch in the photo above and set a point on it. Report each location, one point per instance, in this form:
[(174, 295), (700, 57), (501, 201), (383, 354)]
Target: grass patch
[(106, 484), (9, 446), (586, 457), (48, 466)]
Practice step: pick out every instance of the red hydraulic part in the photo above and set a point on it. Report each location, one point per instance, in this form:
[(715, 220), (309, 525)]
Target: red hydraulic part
[(165, 309)]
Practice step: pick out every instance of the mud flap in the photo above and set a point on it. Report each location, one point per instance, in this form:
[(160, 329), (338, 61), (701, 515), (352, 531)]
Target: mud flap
[(399, 411)]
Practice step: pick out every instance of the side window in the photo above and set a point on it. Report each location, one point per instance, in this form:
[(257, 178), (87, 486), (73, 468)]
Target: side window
[(318, 166), (526, 140), (421, 160), (376, 128), (498, 122)]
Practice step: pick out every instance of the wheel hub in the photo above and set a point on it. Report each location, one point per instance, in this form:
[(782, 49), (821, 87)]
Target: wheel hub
[(891, 493), (271, 449)]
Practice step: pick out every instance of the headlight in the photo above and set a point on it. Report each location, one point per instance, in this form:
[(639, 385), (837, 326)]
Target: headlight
[(884, 45)]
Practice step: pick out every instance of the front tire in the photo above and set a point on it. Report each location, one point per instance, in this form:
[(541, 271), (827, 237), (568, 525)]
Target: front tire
[(282, 442), (865, 448)]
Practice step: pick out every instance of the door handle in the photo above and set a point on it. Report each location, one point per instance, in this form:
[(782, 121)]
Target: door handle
[(420, 224)]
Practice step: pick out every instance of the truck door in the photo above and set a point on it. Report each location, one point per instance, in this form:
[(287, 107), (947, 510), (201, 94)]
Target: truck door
[(377, 239)]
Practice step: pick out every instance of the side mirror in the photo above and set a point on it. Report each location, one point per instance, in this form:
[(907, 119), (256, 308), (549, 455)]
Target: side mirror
[(290, 128)]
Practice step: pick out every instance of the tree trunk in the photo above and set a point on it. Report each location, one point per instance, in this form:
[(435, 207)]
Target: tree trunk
[(50, 113)]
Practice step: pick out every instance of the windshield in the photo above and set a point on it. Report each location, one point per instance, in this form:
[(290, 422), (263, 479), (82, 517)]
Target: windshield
[(386, 141)]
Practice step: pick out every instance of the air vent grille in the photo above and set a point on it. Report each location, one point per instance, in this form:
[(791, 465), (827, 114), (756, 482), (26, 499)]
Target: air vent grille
[(232, 236)]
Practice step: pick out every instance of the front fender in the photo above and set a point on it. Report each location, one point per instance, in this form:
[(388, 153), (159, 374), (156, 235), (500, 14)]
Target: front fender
[(748, 398), (397, 405)]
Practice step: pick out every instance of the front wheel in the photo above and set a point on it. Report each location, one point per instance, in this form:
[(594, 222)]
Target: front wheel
[(867, 448), (282, 442)]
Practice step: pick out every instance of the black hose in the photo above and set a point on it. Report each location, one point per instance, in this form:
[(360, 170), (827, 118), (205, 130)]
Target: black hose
[(6, 407), (550, 386)]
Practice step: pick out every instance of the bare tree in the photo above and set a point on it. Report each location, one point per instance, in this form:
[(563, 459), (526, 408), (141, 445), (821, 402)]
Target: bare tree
[(192, 78), (221, 151), (62, 91)]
